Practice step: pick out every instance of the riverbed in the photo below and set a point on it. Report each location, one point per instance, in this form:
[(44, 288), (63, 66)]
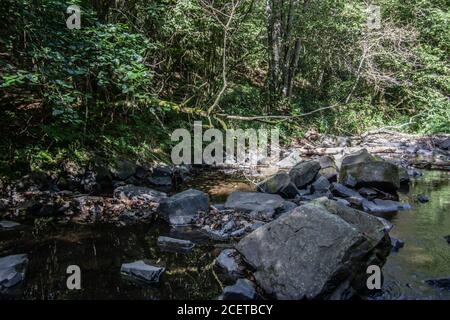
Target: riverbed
[(100, 250)]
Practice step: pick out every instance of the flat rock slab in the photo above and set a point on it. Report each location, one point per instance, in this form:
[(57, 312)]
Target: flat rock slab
[(8, 225), (243, 289), (175, 245), (313, 253), (379, 206), (141, 270), (340, 190), (131, 192), (12, 270), (254, 202), (183, 208)]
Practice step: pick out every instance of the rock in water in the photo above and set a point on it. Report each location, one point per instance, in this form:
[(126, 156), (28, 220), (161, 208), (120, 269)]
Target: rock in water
[(304, 173), (440, 283), (12, 271), (447, 238), (254, 201), (379, 206), (230, 261), (143, 271), (378, 174), (183, 208), (315, 254), (397, 244), (175, 245), (8, 225), (131, 192), (423, 198), (243, 289)]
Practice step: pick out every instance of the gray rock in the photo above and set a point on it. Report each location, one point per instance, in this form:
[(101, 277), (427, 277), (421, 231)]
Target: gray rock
[(12, 271), (423, 198), (386, 224), (444, 143), (328, 168), (443, 283), (123, 170), (131, 192), (368, 193), (142, 270), (219, 235), (275, 184), (231, 263), (239, 233), (379, 206), (397, 244), (379, 174), (175, 245), (313, 253), (254, 202), (356, 157), (288, 206), (243, 289), (161, 176), (290, 161), (343, 202), (289, 192), (304, 173), (8, 225), (340, 190), (320, 185), (183, 208), (256, 225), (403, 175)]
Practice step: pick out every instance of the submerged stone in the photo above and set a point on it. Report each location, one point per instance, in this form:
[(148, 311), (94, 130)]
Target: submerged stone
[(8, 225), (243, 289), (175, 245), (141, 270), (12, 271)]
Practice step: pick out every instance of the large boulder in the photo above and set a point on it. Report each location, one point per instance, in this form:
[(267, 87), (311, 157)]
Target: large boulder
[(131, 192), (379, 206), (254, 202), (378, 174), (12, 271), (317, 251), (183, 208), (304, 173), (360, 156)]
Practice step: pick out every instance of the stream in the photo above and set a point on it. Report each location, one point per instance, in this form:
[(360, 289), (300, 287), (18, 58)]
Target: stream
[(100, 250)]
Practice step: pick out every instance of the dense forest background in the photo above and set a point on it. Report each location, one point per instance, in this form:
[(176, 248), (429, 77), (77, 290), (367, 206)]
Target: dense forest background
[(138, 69)]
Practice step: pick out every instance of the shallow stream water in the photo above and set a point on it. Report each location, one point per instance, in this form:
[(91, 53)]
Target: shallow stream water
[(100, 250)]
